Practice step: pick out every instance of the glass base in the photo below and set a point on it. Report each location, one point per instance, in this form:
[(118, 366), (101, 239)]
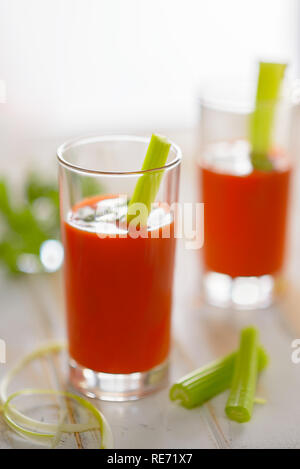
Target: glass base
[(240, 292), (117, 387)]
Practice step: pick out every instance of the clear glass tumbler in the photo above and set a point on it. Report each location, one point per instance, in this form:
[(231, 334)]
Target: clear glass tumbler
[(246, 210), (118, 282)]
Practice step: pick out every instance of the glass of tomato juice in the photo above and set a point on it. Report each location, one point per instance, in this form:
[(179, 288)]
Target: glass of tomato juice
[(118, 286), (246, 209)]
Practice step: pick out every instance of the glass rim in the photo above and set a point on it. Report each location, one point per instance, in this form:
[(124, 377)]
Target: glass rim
[(73, 143), (221, 94)]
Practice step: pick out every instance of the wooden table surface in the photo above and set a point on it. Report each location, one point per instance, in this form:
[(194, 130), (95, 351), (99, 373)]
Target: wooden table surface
[(32, 313)]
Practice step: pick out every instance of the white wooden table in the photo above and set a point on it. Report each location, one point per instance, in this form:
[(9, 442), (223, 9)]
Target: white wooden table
[(31, 312)]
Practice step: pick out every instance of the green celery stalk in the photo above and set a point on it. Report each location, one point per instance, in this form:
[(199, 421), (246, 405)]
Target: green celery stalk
[(262, 120), (241, 398), (148, 184), (206, 382)]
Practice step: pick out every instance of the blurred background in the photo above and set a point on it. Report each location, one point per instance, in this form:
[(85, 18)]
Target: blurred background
[(74, 67)]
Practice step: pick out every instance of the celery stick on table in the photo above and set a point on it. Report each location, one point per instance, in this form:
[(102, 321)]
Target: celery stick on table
[(241, 399), (206, 382)]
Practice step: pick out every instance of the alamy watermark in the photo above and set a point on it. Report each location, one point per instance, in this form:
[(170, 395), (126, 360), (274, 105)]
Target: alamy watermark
[(2, 351), (177, 220), (295, 357)]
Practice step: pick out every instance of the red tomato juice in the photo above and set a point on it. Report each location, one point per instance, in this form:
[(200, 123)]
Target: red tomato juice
[(118, 298), (245, 221)]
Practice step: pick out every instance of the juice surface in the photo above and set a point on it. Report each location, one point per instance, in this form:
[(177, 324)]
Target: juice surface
[(118, 298), (245, 221)]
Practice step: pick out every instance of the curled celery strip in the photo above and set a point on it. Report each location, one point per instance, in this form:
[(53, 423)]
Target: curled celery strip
[(48, 433)]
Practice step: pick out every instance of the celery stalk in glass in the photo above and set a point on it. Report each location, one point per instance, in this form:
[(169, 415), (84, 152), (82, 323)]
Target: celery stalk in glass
[(262, 120), (147, 185)]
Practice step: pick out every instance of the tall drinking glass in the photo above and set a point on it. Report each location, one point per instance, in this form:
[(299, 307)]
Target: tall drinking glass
[(118, 283), (246, 210)]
